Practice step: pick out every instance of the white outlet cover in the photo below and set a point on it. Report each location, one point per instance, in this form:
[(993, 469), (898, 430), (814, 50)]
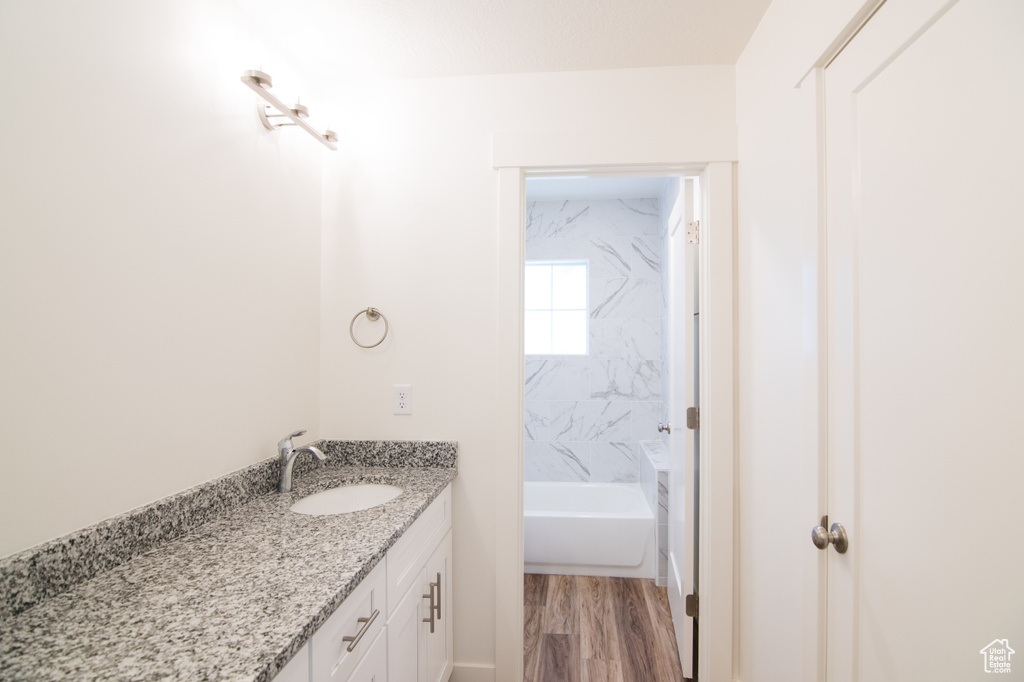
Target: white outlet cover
[(401, 402)]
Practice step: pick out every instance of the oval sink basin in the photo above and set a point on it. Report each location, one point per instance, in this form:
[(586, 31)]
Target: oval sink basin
[(346, 498)]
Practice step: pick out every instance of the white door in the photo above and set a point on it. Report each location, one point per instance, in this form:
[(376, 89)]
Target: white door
[(682, 269), (925, 215)]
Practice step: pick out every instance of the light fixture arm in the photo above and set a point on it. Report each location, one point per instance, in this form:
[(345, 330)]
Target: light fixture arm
[(260, 83)]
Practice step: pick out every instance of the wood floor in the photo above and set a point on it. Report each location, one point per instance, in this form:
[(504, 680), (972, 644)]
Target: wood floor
[(586, 629)]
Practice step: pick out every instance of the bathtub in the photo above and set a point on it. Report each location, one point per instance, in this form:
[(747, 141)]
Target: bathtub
[(603, 529)]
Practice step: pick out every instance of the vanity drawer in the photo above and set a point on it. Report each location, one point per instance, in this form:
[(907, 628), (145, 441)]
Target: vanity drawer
[(331, 655), (406, 558)]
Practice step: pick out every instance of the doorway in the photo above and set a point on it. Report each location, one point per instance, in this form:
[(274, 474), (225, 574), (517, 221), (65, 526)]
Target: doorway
[(717, 252)]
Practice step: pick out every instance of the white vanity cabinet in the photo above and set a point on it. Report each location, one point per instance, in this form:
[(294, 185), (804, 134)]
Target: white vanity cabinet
[(340, 644), (419, 627), (382, 632)]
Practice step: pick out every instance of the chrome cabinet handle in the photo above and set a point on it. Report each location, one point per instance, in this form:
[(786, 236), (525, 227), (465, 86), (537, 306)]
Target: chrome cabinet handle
[(835, 535), (664, 428), (438, 607), (433, 607), (367, 622)]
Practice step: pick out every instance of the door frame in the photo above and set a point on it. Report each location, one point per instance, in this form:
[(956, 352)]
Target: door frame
[(591, 152)]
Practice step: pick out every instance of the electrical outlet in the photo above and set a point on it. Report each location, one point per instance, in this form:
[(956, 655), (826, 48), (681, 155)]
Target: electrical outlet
[(402, 401)]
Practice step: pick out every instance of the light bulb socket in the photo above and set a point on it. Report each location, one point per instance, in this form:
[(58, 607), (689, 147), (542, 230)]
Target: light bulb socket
[(261, 78)]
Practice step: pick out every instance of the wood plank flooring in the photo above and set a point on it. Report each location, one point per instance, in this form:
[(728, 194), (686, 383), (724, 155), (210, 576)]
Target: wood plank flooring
[(587, 629)]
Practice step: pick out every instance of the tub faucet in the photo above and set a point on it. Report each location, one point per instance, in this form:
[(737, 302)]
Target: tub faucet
[(287, 456)]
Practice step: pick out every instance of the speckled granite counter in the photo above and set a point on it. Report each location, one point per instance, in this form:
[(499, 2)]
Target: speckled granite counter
[(234, 599)]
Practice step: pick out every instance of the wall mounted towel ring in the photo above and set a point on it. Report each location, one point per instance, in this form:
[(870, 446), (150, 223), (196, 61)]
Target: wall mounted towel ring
[(371, 314)]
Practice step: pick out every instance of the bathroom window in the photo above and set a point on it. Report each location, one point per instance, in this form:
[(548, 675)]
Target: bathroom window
[(556, 308)]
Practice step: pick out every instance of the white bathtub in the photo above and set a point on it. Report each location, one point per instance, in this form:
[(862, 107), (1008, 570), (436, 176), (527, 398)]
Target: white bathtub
[(604, 529)]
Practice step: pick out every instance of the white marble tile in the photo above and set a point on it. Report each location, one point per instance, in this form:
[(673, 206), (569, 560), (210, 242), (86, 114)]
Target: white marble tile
[(662, 497), (645, 257), (625, 297), (626, 217), (558, 219), (646, 416), (625, 380), (662, 554), (537, 421), (610, 256), (649, 484), (614, 463), (657, 454), (556, 461), (548, 248), (645, 340), (549, 378), (625, 338), (590, 421)]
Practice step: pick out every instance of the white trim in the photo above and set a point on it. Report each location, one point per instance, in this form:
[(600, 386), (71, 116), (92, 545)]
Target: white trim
[(612, 148), (472, 672), (512, 153), (717, 654), (509, 425)]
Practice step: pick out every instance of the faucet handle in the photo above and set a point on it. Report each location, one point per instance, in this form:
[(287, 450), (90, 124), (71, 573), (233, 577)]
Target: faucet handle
[(287, 440)]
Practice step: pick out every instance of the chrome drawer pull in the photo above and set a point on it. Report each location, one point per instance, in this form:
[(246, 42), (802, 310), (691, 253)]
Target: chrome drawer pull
[(362, 631), (438, 607), (431, 609)]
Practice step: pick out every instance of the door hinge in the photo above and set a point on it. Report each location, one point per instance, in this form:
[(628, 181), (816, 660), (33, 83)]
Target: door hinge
[(692, 604), (693, 418), (693, 232)]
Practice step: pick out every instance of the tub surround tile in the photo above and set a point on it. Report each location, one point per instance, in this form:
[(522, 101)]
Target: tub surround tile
[(646, 417), (657, 452), (550, 378), (614, 463), (233, 600), (546, 219), (636, 217), (589, 421), (645, 257), (626, 338), (633, 380), (537, 420), (42, 572), (544, 461), (625, 297), (609, 256), (623, 242)]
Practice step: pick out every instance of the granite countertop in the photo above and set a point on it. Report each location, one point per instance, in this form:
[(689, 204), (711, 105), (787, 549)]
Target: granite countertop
[(233, 599)]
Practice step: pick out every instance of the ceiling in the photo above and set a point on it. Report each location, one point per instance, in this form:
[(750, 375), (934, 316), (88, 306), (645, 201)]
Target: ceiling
[(431, 38)]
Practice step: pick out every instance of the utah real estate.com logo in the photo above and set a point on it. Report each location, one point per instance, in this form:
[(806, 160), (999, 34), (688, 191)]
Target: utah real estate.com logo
[(997, 656)]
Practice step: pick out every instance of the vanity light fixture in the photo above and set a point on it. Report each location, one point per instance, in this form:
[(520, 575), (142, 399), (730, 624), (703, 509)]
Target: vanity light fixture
[(296, 114)]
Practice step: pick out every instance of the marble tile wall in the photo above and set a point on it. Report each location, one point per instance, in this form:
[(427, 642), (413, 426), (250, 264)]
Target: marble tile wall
[(654, 482), (585, 415)]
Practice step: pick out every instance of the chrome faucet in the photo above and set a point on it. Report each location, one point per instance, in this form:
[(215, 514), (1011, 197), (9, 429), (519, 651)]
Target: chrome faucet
[(287, 456)]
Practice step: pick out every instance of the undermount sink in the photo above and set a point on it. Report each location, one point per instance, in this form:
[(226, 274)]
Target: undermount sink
[(346, 498)]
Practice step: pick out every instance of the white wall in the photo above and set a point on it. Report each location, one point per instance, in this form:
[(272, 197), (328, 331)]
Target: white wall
[(417, 237), (781, 574), (159, 258)]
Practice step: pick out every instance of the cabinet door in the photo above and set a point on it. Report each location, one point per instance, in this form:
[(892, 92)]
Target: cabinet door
[(406, 652), (438, 644), (297, 669), (374, 666)]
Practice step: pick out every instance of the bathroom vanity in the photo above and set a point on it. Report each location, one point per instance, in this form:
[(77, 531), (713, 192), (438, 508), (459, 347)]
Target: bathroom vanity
[(253, 590), (396, 625)]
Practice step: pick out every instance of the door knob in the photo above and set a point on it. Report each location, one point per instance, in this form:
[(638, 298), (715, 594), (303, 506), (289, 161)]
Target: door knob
[(835, 535), (664, 428)]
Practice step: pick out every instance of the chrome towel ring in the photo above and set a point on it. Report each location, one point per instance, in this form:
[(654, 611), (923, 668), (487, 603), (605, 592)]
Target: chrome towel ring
[(371, 314)]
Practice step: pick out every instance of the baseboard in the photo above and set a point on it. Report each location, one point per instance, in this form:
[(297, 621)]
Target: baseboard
[(472, 672)]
